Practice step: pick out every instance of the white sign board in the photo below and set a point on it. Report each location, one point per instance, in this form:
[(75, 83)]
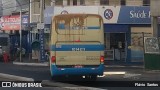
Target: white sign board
[(109, 14), (76, 9), (40, 26)]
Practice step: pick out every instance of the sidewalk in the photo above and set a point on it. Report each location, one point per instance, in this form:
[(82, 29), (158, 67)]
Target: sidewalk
[(31, 62), (123, 64), (26, 61)]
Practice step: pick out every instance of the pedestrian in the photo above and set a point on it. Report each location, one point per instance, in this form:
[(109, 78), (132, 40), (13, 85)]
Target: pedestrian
[(46, 55), (18, 52), (1, 54), (5, 57), (14, 52), (23, 52)]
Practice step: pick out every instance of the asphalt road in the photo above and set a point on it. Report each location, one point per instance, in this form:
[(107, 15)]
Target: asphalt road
[(43, 88), (39, 73)]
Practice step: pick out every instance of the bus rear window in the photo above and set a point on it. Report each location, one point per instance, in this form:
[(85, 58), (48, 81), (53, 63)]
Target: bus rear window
[(76, 23)]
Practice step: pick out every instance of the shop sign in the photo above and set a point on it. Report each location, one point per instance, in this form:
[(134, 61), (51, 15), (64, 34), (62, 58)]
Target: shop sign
[(134, 15), (126, 14), (108, 14), (12, 22), (42, 50)]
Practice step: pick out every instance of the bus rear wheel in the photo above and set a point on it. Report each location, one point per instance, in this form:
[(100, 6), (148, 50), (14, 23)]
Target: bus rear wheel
[(91, 77)]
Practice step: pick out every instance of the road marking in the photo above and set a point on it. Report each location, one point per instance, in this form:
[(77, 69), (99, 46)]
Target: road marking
[(69, 86), (116, 72), (31, 64), (101, 76), (13, 77)]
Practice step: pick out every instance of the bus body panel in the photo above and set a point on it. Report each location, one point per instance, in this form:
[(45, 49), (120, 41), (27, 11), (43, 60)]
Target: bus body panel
[(77, 71), (82, 53), (77, 47)]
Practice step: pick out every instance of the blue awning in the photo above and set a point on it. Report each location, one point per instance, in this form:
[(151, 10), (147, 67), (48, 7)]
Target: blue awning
[(114, 28)]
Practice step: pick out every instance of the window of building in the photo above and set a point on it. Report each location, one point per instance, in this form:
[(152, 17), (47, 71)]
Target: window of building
[(146, 2), (104, 2), (74, 2), (134, 2), (58, 2), (123, 2), (36, 7), (114, 2), (82, 2), (68, 2)]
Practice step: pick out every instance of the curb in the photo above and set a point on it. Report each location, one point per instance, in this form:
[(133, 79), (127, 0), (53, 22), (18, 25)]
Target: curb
[(13, 77), (31, 64)]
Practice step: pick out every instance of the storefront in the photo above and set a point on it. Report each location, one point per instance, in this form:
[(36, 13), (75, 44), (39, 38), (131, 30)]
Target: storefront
[(11, 25), (125, 28)]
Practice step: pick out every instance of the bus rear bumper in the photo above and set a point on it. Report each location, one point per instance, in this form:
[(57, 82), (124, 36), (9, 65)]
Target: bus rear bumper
[(77, 71)]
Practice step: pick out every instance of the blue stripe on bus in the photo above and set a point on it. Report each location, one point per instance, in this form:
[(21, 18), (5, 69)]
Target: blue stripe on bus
[(77, 71), (62, 27), (76, 47)]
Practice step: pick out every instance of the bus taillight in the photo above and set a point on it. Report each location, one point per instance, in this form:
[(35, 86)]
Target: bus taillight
[(102, 59), (53, 59)]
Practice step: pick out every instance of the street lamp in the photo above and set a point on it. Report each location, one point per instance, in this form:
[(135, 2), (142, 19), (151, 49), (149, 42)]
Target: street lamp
[(20, 30)]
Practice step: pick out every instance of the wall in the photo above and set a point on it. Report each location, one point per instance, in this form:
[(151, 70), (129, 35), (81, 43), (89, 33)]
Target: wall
[(114, 2), (134, 2), (125, 14)]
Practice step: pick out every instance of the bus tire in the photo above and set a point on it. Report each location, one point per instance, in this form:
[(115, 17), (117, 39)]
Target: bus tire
[(93, 77), (55, 78), (52, 78)]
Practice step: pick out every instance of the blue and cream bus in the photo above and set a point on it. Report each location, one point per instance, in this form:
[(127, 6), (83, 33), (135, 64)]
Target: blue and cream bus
[(77, 45)]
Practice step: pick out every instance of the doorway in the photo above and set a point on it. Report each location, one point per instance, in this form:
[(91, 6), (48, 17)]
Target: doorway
[(119, 44)]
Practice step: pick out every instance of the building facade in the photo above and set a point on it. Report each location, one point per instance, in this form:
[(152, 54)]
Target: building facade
[(10, 21), (126, 23)]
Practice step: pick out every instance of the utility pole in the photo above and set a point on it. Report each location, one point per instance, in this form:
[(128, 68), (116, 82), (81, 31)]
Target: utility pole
[(20, 31), (155, 26), (40, 26)]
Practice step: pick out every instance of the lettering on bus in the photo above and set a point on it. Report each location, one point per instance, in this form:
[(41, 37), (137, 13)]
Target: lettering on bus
[(92, 58), (78, 49)]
